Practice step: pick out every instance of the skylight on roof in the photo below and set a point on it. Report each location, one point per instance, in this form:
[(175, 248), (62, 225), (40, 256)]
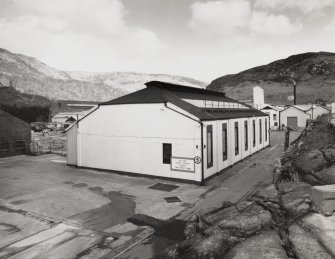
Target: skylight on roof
[(216, 104)]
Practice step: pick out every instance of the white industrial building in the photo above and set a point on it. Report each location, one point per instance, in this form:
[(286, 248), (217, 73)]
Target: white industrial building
[(67, 117), (168, 130), (296, 116), (274, 115)]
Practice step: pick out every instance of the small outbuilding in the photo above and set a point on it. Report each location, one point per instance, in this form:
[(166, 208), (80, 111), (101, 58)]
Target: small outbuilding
[(273, 113), (15, 135), (168, 130), (67, 117), (294, 117), (316, 110)]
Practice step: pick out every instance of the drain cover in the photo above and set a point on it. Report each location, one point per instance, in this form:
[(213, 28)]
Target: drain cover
[(172, 199), (163, 187)]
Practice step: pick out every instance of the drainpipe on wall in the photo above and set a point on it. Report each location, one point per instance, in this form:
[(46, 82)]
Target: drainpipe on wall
[(202, 153)]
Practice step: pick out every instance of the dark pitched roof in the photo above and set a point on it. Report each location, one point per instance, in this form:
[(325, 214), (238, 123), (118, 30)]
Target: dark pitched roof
[(161, 92)]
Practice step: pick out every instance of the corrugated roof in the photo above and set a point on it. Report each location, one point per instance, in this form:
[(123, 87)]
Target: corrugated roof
[(161, 92)]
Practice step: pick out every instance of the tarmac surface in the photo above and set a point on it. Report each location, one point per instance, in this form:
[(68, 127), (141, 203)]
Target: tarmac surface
[(50, 210)]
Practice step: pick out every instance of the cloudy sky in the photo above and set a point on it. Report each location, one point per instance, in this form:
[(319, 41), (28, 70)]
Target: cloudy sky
[(200, 39)]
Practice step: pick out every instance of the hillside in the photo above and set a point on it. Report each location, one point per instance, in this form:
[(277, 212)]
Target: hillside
[(29, 75), (314, 73), (28, 107)]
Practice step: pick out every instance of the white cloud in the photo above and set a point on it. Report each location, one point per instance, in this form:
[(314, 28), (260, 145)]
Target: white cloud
[(331, 26), (219, 17), (225, 18), (76, 34), (262, 22), (305, 6)]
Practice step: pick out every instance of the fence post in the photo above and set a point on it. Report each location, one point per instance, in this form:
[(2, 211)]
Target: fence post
[(287, 139)]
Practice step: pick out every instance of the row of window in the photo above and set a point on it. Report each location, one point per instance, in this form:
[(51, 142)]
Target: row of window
[(236, 141), (167, 147)]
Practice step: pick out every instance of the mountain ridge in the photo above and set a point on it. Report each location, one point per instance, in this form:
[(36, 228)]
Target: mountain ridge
[(29, 75), (314, 73)]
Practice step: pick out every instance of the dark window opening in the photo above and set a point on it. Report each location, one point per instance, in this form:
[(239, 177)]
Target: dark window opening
[(236, 139), (4, 147), (266, 129), (167, 153), (276, 124), (246, 140), (260, 131), (209, 146), (274, 117), (224, 142), (254, 133)]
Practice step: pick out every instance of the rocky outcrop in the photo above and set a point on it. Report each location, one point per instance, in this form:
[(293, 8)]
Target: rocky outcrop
[(213, 234), (278, 220), (295, 198), (328, 175), (265, 245), (305, 245), (323, 229)]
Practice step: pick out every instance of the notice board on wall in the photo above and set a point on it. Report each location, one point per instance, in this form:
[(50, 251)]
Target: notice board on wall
[(183, 164)]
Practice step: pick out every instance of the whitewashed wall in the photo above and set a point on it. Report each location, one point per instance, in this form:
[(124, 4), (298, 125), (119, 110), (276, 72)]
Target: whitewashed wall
[(272, 112), (218, 163), (129, 138), (71, 138)]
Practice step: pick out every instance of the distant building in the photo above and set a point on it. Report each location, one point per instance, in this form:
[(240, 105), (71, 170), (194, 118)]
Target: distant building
[(273, 113), (67, 117), (296, 116), (316, 110), (15, 135), (168, 130), (258, 97)]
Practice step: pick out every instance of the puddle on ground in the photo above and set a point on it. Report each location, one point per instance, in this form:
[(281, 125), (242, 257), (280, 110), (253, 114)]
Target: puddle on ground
[(6, 229), (117, 211), (18, 202), (171, 233), (68, 182), (80, 185), (96, 189)]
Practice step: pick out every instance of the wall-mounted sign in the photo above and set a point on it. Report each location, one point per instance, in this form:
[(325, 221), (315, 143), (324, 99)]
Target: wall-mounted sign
[(182, 164), (197, 160)]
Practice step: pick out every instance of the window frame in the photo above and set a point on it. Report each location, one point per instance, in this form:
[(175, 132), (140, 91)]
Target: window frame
[(254, 133), (224, 141), (209, 150), (260, 131), (236, 138), (164, 146), (246, 137), (266, 129)]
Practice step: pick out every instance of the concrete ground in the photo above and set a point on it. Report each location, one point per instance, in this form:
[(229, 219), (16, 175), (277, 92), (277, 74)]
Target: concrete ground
[(50, 210), (47, 208)]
